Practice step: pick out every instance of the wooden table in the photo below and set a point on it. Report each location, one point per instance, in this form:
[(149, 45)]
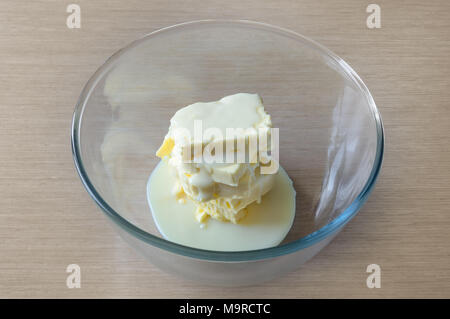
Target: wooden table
[(49, 221)]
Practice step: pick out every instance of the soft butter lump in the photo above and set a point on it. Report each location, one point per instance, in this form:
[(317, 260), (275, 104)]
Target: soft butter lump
[(219, 190)]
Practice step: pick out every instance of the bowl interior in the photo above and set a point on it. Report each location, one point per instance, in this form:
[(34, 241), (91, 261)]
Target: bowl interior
[(328, 132)]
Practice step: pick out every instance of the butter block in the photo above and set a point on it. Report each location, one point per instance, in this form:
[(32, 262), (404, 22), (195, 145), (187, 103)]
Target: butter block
[(166, 148), (220, 190), (228, 174)]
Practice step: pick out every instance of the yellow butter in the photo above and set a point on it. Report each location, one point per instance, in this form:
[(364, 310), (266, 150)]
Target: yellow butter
[(228, 174), (220, 190), (166, 148), (201, 215)]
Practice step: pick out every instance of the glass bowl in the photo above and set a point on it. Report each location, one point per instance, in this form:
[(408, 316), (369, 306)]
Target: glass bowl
[(331, 135)]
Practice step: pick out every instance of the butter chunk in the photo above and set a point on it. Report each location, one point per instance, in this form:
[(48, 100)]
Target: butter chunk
[(166, 148), (229, 174), (219, 190), (201, 215)]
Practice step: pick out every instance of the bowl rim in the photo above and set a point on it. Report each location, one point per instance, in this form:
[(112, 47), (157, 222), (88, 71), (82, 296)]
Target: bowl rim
[(234, 256)]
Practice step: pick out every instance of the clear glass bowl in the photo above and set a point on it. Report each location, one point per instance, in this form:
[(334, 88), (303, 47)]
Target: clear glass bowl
[(331, 135)]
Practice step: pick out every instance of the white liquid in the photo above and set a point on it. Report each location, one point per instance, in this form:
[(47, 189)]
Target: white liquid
[(265, 225)]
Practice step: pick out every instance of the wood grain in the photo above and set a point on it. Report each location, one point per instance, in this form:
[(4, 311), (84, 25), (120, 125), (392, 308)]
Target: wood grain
[(48, 220)]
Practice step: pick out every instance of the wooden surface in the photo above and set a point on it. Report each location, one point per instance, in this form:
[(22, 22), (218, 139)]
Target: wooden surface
[(49, 221)]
